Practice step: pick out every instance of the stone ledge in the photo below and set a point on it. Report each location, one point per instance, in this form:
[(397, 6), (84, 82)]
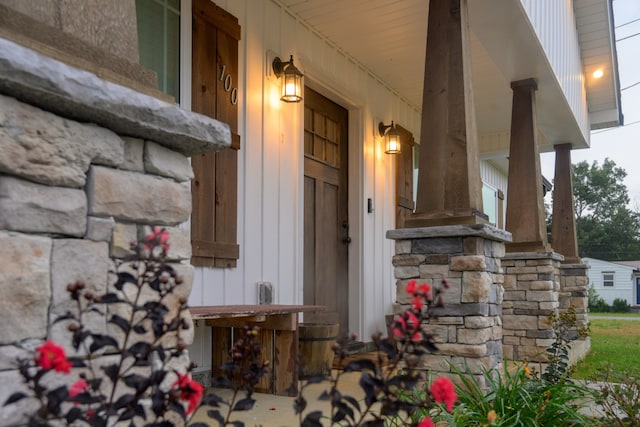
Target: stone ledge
[(481, 230), (533, 255), (80, 95)]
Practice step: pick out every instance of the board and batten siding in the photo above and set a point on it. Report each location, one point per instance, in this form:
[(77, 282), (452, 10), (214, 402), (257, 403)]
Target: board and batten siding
[(493, 176), (496, 179), (623, 280), (270, 171), (555, 25)]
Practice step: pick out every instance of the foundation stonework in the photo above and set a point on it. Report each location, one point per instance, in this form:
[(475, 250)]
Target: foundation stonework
[(498, 303), (537, 284), (468, 328), (531, 293), (574, 292), (86, 166)]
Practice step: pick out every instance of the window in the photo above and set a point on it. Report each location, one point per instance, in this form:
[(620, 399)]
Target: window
[(607, 278), (159, 41)]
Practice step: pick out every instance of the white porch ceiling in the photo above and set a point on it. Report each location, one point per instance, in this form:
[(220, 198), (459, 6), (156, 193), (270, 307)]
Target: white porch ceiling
[(389, 38)]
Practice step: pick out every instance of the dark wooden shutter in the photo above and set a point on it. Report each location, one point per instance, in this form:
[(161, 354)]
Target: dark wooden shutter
[(404, 177), (214, 93)]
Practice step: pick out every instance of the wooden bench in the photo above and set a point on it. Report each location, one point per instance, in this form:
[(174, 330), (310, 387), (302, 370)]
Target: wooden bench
[(278, 336)]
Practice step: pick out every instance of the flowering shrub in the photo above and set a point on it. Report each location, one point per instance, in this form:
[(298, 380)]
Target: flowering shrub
[(127, 376), (386, 382), (521, 397)]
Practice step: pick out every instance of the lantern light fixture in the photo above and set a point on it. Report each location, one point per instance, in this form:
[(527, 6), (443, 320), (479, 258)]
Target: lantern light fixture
[(391, 137), (291, 79)]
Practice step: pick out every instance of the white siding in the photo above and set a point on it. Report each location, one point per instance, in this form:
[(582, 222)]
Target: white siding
[(493, 176), (555, 25), (270, 198), (623, 280), (496, 179)]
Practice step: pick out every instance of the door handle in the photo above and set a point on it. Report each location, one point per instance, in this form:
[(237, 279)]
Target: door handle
[(346, 240)]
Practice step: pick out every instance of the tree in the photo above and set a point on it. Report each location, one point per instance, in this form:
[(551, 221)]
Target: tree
[(607, 229)]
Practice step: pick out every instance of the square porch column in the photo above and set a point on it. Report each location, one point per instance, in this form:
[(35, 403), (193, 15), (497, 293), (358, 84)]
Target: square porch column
[(449, 184), (525, 203), (563, 228)]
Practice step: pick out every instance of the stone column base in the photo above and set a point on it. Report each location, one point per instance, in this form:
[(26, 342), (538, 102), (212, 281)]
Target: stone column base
[(532, 285), (468, 328)]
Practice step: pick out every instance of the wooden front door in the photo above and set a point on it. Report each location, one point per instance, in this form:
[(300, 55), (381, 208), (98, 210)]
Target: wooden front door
[(326, 227)]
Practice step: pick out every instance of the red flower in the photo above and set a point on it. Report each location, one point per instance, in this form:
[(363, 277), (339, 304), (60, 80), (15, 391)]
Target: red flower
[(190, 391), (157, 238), (417, 303), (426, 422), (424, 290), (421, 294), (411, 287), (412, 320), (51, 356), (78, 387), (443, 391)]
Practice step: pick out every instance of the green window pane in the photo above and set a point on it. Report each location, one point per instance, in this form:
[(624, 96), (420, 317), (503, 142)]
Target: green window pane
[(159, 41), (172, 84)]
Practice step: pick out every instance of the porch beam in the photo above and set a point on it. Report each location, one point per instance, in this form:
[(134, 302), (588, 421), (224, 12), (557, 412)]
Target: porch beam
[(449, 185), (563, 228), (525, 204)]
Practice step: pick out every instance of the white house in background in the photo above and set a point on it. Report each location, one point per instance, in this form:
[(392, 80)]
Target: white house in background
[(611, 280)]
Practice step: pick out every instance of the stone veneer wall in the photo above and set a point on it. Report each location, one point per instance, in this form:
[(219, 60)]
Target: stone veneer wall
[(85, 167), (574, 292), (536, 285), (468, 329), (531, 287)]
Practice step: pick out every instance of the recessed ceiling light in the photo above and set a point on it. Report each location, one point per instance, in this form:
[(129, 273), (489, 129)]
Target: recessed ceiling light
[(598, 73)]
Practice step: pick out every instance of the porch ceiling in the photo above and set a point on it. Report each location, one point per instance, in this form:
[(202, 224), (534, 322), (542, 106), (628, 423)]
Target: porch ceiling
[(388, 37)]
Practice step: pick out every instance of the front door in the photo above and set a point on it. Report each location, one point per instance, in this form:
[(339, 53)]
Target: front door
[(638, 291), (326, 227)]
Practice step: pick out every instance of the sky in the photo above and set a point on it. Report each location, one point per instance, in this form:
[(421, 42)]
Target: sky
[(622, 144)]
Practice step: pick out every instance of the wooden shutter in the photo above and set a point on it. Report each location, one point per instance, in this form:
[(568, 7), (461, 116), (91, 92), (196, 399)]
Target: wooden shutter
[(214, 93), (404, 177)]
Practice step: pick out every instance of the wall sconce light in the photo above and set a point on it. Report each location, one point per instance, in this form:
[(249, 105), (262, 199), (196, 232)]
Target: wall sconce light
[(291, 79), (391, 137)]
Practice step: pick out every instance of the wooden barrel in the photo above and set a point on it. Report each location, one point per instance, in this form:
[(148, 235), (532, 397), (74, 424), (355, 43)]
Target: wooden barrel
[(315, 345)]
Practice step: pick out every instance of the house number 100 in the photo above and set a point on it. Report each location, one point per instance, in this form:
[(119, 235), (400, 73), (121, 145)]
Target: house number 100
[(228, 81)]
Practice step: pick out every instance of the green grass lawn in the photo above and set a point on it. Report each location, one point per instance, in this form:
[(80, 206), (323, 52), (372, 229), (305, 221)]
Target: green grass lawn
[(613, 342), (616, 314)]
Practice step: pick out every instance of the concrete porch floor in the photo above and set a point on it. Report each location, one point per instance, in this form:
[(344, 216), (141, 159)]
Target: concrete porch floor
[(277, 411)]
